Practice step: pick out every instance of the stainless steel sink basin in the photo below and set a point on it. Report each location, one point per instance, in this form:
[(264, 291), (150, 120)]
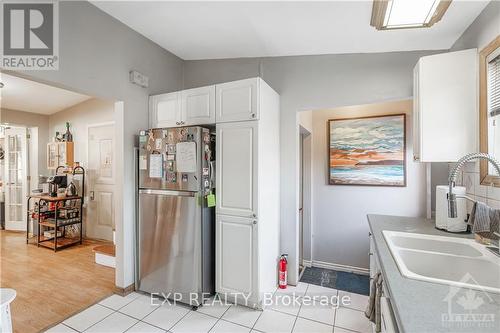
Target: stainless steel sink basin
[(448, 260)]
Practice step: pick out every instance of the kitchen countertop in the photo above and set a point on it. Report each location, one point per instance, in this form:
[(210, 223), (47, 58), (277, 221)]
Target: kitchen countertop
[(419, 305)]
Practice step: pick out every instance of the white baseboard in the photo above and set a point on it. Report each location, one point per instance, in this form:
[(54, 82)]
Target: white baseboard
[(307, 263), (105, 260), (339, 267)]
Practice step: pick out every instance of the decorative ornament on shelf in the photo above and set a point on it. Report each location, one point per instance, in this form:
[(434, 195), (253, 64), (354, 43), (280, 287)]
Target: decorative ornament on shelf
[(68, 137)]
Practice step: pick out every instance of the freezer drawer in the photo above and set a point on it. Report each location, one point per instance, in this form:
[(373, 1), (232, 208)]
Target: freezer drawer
[(170, 243)]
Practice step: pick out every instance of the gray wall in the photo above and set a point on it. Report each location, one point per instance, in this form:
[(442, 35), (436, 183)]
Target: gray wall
[(96, 54), (483, 30), (340, 231), (311, 83)]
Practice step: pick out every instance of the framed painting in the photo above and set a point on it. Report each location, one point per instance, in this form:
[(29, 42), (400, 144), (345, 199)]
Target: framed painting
[(367, 151)]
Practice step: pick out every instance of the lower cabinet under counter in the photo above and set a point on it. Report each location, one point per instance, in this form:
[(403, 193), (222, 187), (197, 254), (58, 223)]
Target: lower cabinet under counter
[(388, 320)]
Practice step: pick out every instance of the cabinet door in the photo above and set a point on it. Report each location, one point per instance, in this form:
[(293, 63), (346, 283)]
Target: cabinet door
[(52, 156), (236, 170), (62, 153), (237, 101), (236, 255), (447, 106), (198, 106), (164, 110), (416, 115)]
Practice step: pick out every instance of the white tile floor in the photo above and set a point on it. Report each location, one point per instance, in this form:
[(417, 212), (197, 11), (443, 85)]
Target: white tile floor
[(135, 314)]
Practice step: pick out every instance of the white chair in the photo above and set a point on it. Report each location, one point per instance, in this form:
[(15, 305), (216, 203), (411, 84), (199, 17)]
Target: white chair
[(7, 295)]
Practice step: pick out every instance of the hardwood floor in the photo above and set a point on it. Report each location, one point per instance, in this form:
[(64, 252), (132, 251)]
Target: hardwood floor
[(50, 286)]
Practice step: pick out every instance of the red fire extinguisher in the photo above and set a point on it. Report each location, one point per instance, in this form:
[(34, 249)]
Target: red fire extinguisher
[(282, 271)]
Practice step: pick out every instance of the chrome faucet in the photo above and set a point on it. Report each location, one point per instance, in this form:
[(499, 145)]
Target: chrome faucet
[(452, 198)]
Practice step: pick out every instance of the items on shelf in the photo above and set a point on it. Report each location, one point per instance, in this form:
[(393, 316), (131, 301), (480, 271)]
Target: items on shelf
[(58, 219), (67, 137)]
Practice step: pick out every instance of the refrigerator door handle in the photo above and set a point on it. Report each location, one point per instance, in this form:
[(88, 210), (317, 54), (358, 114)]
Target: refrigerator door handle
[(168, 192), (211, 167)]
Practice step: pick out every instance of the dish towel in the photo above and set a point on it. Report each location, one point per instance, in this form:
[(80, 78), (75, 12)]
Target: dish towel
[(484, 219), (372, 311)]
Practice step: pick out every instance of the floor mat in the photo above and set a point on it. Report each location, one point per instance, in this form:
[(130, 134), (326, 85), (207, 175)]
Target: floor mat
[(351, 282)]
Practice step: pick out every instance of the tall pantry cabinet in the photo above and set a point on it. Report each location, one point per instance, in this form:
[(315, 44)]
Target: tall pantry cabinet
[(248, 195)]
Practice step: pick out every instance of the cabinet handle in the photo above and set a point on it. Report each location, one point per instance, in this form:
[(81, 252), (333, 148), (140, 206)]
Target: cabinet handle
[(370, 253), (254, 222), (253, 115), (177, 123)]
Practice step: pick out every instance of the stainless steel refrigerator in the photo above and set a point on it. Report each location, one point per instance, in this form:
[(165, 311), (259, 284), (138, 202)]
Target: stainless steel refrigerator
[(176, 227)]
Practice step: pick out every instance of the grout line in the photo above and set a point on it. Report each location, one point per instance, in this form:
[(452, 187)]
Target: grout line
[(178, 321), (101, 319), (71, 328)]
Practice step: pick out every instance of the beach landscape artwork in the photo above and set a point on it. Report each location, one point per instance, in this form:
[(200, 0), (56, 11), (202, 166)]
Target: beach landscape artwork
[(367, 151)]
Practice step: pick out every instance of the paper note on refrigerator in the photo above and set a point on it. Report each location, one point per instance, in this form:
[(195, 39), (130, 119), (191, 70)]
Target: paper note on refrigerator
[(143, 162), (155, 166), (186, 156)]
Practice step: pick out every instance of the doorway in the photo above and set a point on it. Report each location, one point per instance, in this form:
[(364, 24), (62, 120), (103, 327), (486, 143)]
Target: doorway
[(305, 146), (15, 177), (47, 130)]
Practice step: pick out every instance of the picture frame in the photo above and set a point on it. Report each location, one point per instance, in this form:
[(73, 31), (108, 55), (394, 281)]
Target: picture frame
[(367, 151)]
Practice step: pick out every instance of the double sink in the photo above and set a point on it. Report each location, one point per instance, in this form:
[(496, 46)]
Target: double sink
[(454, 261)]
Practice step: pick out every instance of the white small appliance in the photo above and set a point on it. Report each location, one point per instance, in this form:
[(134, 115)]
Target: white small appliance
[(443, 222)]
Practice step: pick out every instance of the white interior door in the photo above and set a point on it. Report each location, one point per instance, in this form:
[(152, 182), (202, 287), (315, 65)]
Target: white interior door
[(16, 180), (101, 181)]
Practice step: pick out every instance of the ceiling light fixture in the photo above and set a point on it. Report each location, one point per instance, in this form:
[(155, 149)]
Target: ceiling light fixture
[(404, 14)]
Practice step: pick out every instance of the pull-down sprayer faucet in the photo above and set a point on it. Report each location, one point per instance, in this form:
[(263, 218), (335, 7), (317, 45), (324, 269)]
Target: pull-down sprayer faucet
[(452, 198)]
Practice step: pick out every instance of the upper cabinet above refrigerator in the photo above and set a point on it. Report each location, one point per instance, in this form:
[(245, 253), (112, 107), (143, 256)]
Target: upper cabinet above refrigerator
[(220, 103), (445, 106), (183, 108)]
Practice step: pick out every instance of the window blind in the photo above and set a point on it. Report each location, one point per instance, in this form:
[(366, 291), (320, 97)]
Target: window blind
[(494, 86)]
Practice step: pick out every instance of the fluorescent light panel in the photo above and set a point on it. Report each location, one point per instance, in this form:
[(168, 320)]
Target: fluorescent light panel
[(409, 13)]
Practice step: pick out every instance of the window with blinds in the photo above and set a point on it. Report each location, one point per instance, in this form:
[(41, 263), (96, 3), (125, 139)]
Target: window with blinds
[(494, 84), (493, 104)]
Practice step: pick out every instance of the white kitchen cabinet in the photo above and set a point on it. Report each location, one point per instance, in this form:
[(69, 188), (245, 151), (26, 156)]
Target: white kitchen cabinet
[(237, 248), (445, 110), (183, 108), (237, 151), (238, 100), (198, 106), (388, 319), (164, 110), (248, 200)]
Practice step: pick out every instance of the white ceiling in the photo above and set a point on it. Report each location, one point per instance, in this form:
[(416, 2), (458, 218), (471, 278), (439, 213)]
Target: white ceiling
[(212, 30), (25, 95)]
